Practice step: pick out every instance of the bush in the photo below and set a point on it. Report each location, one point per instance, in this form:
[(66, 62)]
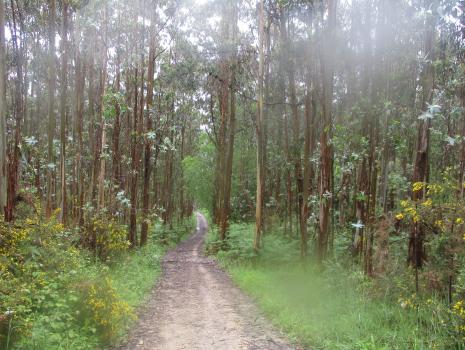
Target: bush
[(55, 295), (105, 310), (237, 248), (37, 262), (105, 237), (213, 244), (40, 294), (166, 235)]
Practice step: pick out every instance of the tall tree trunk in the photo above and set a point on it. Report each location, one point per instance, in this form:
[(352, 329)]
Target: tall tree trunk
[(282, 98), (134, 166), (224, 110), (308, 143), (296, 146), (363, 178), (94, 130), (19, 108), (224, 106), (80, 85), (371, 204), (148, 141), (416, 252), (63, 101), (260, 130), (103, 129), (229, 155), (116, 152), (229, 160), (51, 106), (325, 142), (3, 135)]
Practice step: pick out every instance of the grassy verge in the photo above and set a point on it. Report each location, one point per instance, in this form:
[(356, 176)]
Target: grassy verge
[(337, 309), (62, 297), (144, 266)]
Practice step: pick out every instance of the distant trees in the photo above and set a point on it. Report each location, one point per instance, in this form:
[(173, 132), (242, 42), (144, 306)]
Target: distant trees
[(314, 117), (356, 109), (96, 157)]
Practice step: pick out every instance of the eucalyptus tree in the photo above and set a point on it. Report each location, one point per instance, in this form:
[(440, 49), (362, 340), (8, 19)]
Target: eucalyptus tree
[(326, 170), (260, 129), (51, 106), (421, 172), (3, 137)]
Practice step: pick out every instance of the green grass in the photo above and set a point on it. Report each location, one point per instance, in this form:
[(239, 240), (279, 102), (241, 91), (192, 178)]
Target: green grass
[(337, 309), (61, 324), (135, 276)]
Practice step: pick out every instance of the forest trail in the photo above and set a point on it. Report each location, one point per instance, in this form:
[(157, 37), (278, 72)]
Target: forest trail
[(196, 306)]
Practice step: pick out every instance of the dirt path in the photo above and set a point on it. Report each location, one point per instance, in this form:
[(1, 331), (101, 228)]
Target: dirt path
[(196, 306)]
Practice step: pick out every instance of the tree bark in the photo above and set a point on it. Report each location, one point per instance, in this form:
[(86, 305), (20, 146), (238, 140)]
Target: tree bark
[(103, 129), (229, 156), (308, 143), (134, 166), (416, 252), (3, 135), (325, 142), (260, 131), (19, 108), (80, 85), (51, 105), (148, 128), (63, 101)]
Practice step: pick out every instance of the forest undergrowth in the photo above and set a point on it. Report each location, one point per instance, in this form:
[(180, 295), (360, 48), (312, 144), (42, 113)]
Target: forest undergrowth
[(60, 290), (337, 306)]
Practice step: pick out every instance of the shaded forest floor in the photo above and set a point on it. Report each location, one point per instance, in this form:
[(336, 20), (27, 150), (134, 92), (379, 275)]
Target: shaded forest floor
[(196, 306)]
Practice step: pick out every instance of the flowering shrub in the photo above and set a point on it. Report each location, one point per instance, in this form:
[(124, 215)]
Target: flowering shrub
[(107, 311), (105, 237), (440, 210), (459, 311), (41, 295), (35, 260)]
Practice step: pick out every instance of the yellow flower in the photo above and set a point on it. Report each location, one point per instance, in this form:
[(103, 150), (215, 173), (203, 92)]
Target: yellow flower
[(403, 204), (459, 221), (418, 186), (427, 203), (434, 189), (412, 212), (459, 308), (399, 216)]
